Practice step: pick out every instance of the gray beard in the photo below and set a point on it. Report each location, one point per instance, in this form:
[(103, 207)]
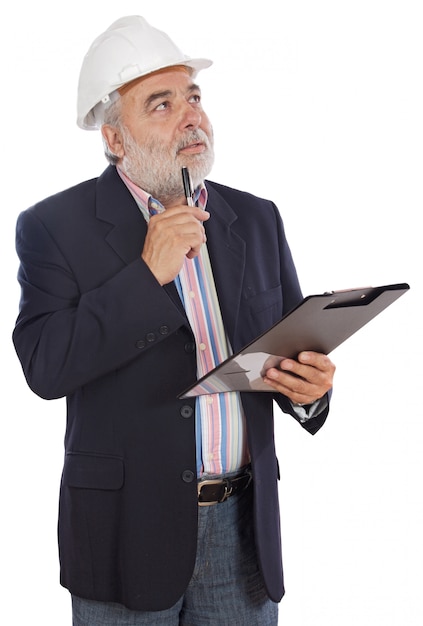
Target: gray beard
[(157, 169)]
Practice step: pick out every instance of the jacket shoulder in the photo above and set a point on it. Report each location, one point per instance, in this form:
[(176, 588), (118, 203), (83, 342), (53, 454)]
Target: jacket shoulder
[(74, 198)]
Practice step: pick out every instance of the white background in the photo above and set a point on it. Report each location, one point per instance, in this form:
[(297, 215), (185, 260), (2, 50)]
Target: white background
[(318, 106)]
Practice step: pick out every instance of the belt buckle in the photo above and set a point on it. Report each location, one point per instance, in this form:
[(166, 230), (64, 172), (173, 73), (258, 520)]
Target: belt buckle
[(214, 481)]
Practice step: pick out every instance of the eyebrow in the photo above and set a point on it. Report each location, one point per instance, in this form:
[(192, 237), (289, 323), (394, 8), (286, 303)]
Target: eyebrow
[(160, 95)]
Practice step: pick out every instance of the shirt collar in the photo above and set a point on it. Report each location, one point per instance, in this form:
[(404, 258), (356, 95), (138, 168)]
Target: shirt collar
[(147, 204)]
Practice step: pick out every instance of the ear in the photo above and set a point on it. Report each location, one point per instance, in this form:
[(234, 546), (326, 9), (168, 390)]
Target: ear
[(113, 138)]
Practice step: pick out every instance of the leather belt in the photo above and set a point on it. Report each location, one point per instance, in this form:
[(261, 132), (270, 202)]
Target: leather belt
[(216, 490)]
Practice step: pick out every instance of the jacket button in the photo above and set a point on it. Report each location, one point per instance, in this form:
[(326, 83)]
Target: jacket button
[(150, 337), (187, 411), (188, 476), (164, 330), (189, 347), (140, 344)]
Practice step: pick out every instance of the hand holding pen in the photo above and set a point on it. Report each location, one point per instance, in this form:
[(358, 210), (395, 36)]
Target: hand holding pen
[(174, 234)]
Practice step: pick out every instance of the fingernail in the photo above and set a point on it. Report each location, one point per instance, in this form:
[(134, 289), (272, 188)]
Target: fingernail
[(272, 373)]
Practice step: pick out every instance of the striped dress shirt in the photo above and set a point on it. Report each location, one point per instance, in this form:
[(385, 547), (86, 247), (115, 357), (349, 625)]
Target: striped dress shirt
[(220, 422)]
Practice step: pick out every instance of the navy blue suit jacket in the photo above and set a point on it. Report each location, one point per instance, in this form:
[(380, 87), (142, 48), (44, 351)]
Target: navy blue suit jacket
[(96, 327)]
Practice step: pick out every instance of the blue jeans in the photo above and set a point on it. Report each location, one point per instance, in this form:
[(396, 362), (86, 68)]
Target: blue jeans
[(226, 588)]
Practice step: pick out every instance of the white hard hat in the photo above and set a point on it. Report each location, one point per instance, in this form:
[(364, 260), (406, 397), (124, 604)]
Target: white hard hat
[(128, 49)]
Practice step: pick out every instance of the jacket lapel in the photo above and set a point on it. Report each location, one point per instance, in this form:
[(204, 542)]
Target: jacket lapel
[(227, 254), (116, 206)]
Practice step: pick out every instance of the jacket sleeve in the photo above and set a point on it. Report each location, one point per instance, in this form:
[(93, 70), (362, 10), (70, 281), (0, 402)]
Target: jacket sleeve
[(65, 338)]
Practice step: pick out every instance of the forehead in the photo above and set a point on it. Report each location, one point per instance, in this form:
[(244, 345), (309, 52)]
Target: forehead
[(170, 79)]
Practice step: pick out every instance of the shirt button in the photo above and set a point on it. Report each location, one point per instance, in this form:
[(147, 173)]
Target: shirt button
[(191, 294), (202, 347), (186, 411), (188, 476), (209, 400)]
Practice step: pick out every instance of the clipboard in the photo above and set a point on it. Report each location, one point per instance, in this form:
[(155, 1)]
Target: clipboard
[(319, 323)]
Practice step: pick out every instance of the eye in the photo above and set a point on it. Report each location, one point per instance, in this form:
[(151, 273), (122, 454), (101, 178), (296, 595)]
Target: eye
[(162, 106), (195, 98)]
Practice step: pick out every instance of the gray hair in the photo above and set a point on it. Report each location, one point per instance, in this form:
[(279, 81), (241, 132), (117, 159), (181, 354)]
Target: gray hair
[(112, 117)]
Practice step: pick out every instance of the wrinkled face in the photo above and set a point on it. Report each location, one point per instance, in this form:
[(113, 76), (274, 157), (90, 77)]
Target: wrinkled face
[(163, 128)]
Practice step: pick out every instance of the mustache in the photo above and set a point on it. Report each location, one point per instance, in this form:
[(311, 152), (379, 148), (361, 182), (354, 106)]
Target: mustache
[(193, 136)]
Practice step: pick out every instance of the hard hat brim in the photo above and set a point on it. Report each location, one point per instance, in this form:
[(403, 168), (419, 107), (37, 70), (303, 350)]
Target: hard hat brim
[(88, 121)]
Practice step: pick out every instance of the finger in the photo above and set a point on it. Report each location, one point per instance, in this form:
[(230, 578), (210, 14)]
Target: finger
[(292, 383), (301, 383), (298, 370), (296, 389), (311, 366), (181, 212), (316, 359)]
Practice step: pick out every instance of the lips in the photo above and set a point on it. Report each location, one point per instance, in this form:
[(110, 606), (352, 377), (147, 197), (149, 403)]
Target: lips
[(193, 148)]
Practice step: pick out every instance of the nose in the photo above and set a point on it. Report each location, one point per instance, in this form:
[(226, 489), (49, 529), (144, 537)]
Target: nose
[(190, 117)]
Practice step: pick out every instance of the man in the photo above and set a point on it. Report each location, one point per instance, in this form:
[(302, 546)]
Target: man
[(168, 507)]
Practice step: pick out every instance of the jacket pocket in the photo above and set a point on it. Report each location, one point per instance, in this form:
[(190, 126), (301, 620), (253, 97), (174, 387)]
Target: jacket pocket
[(265, 300), (93, 471), (258, 313)]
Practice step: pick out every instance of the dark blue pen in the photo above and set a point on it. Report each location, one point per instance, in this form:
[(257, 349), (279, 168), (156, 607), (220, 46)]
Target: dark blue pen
[(186, 179)]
